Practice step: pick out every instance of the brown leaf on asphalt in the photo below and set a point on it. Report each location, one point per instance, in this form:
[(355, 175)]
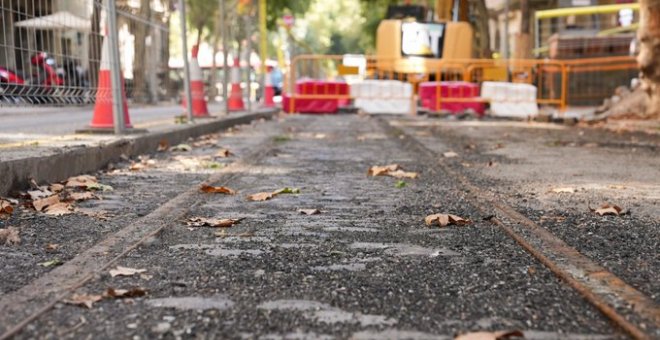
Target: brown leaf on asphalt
[(82, 196), (6, 209), (309, 211), (124, 293), (52, 246), (607, 209), (261, 196), (450, 154), (392, 170), (125, 271), (56, 187), (59, 209), (562, 190), (84, 300), (402, 174), (497, 335), (137, 166), (9, 236), (383, 170), (212, 222), (216, 190), (39, 194), (82, 181), (224, 153), (163, 145), (444, 220), (41, 204)]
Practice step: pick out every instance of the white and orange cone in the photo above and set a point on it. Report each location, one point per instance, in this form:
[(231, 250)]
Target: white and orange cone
[(235, 101), (199, 106), (103, 118)]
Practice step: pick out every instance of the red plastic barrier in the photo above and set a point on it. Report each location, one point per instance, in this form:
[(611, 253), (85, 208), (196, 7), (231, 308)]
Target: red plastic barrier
[(448, 90), (317, 105)]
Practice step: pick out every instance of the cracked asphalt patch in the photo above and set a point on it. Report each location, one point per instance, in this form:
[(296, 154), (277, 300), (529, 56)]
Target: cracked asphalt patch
[(366, 267)]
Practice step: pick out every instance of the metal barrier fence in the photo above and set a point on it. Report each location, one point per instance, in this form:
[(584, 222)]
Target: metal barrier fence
[(51, 51), (559, 83)]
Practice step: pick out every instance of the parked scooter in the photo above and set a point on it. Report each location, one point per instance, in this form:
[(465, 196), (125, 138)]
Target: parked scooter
[(37, 88)]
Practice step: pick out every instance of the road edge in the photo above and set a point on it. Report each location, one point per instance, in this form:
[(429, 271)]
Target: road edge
[(57, 167)]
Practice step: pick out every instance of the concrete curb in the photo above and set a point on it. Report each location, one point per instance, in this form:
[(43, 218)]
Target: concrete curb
[(16, 173)]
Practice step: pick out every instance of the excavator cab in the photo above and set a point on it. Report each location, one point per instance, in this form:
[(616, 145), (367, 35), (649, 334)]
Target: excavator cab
[(413, 39)]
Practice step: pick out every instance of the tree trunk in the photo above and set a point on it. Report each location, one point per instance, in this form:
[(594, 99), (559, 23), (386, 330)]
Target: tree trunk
[(141, 91), (482, 41), (523, 39), (649, 53)]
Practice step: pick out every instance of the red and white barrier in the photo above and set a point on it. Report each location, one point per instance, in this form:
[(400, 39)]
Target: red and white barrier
[(454, 97)]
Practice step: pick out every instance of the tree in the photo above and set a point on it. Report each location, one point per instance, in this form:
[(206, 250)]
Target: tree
[(141, 91), (202, 15), (649, 54)]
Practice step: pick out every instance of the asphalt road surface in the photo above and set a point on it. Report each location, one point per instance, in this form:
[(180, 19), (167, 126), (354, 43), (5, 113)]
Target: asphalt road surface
[(366, 266)]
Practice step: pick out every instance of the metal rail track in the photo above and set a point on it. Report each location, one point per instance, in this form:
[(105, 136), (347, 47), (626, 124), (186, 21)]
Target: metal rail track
[(629, 309)]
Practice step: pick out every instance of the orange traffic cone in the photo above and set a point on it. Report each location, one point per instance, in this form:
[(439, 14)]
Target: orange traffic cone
[(269, 90), (103, 119), (235, 101), (199, 107)]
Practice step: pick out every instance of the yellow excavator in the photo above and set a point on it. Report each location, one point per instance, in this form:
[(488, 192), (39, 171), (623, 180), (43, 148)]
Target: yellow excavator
[(413, 39)]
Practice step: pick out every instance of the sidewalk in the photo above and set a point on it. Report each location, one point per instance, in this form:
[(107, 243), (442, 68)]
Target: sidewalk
[(43, 145)]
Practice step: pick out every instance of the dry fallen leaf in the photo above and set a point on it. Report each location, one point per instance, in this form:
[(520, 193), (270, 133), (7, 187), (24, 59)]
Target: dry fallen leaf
[(9, 236), (39, 194), (181, 147), (6, 209), (59, 209), (212, 222), (82, 181), (216, 190), (393, 170), (498, 335), (125, 271), (56, 187), (163, 145), (81, 196), (52, 246), (85, 300), (224, 153), (450, 154), (309, 211), (137, 166), (444, 220), (607, 209), (261, 196), (383, 170), (561, 190), (125, 293), (402, 174), (286, 190), (40, 204)]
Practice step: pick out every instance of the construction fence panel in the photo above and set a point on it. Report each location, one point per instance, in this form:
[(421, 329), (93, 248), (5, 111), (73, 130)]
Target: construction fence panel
[(51, 51)]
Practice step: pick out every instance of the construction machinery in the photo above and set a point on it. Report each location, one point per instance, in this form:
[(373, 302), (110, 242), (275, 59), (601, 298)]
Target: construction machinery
[(414, 39)]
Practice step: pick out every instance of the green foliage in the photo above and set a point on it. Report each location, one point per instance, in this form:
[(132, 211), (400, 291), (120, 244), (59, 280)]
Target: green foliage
[(202, 14), (277, 9)]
